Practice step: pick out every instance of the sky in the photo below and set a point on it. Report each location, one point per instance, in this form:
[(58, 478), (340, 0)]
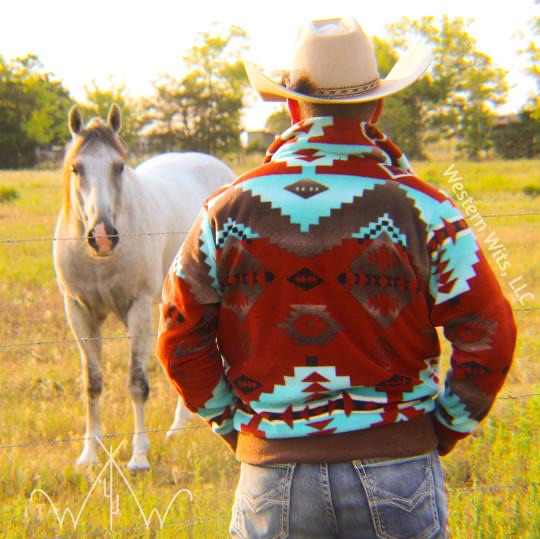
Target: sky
[(135, 41)]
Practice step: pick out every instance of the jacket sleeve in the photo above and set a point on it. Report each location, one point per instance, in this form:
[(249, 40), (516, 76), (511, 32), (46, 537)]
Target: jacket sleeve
[(187, 346), (477, 320)]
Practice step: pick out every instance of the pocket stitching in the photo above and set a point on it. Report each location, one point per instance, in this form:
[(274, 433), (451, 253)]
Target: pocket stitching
[(408, 503), (278, 498), (373, 503), (366, 484)]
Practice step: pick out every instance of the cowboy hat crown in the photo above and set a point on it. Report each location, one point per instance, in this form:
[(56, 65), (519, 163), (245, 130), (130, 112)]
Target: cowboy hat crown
[(337, 58)]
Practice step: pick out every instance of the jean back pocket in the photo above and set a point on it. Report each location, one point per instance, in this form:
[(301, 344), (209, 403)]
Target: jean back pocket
[(261, 504), (402, 496)]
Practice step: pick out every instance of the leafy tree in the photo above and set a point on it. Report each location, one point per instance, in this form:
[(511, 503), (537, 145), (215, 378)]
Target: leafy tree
[(404, 114), (99, 101), (532, 52), (201, 112), (33, 110), (519, 139), (278, 121), (162, 115), (459, 93)]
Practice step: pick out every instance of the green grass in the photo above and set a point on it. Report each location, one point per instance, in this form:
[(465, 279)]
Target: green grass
[(491, 476), (8, 194)]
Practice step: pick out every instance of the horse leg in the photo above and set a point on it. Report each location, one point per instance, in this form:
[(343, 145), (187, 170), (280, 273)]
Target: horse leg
[(181, 415), (139, 322), (83, 325)]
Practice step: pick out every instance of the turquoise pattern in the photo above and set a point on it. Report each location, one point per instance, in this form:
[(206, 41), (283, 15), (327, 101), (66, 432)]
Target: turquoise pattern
[(456, 259), (222, 398), (383, 224), (233, 229), (307, 212), (428, 385), (292, 390), (295, 389), (208, 247), (325, 154), (461, 254), (454, 407), (425, 204)]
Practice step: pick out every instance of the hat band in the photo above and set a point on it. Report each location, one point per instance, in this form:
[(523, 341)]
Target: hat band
[(348, 91)]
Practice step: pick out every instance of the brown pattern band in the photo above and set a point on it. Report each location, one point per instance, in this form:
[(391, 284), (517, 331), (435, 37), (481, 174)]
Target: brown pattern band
[(349, 91)]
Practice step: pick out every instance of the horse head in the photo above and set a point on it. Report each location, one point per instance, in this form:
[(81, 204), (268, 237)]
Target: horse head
[(95, 172)]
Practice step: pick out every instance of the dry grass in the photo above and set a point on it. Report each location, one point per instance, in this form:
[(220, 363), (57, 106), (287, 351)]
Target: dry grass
[(41, 397)]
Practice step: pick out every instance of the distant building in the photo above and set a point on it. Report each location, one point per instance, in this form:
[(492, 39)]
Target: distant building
[(505, 119), (261, 139), (50, 156)]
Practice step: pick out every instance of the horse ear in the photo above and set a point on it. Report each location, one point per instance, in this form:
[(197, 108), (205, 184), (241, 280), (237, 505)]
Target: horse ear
[(115, 118), (75, 120)]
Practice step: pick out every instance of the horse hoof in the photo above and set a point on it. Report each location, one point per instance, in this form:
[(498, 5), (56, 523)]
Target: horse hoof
[(87, 459), (138, 463), (172, 432)]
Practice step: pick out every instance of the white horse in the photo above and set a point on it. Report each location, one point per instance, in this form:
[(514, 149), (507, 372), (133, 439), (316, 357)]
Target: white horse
[(119, 265)]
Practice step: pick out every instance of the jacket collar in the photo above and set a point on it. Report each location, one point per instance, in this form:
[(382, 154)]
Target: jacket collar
[(316, 138)]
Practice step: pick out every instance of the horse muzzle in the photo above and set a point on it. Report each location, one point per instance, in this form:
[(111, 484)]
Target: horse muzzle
[(103, 238)]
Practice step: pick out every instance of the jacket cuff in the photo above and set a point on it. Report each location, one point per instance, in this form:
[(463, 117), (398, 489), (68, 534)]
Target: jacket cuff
[(447, 438), (231, 440)]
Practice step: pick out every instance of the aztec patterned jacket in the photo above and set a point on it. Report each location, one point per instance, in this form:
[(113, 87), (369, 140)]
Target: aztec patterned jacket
[(301, 309)]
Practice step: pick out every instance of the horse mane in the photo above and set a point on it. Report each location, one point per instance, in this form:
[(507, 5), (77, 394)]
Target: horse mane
[(95, 132)]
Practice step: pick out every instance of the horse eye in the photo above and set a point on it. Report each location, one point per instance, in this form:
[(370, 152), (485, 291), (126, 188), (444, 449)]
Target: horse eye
[(75, 170)]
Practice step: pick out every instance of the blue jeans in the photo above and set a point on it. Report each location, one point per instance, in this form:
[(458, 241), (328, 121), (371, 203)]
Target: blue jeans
[(401, 498)]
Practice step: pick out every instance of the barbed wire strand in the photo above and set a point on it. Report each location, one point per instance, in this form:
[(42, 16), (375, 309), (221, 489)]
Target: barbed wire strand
[(74, 341), (110, 435), (509, 396), (83, 238), (519, 214), (102, 436), (493, 488), (183, 232), (22, 344)]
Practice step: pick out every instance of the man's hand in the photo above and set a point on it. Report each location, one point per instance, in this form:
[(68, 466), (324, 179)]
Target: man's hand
[(445, 446)]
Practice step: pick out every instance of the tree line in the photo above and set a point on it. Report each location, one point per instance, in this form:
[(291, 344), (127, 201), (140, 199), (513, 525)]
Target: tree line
[(201, 111)]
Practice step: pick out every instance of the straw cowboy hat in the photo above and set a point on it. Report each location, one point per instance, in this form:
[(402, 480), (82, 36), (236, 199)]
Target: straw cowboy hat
[(338, 58)]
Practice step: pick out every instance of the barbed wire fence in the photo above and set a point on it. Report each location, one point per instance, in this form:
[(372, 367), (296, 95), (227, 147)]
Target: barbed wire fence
[(459, 491), (7, 241)]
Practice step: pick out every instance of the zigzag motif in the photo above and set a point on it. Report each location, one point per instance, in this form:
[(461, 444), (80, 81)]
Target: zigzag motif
[(448, 279), (233, 229), (449, 229), (345, 403), (209, 250), (383, 224)]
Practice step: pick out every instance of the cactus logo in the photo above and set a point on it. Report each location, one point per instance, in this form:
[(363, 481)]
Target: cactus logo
[(105, 477)]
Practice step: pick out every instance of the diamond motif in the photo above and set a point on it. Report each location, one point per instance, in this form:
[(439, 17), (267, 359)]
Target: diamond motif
[(306, 188), (244, 278), (246, 384), (305, 279), (310, 324), (380, 281)]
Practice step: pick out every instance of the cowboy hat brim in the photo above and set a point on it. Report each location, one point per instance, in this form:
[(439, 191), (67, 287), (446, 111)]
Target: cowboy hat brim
[(409, 68)]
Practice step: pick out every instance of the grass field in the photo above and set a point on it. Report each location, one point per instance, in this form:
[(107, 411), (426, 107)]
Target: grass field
[(493, 477)]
